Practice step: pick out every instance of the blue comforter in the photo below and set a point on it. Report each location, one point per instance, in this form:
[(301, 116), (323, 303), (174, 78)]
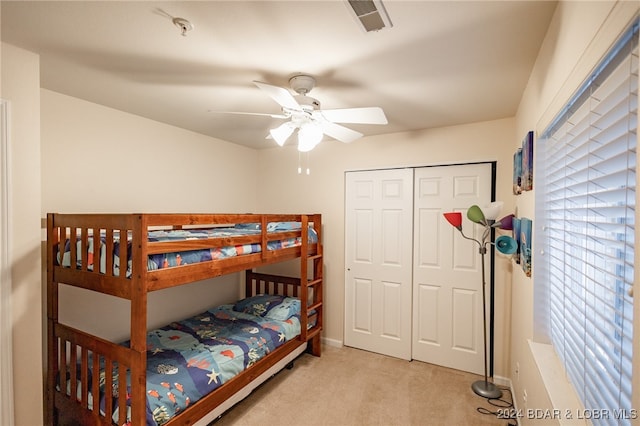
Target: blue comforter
[(190, 358)]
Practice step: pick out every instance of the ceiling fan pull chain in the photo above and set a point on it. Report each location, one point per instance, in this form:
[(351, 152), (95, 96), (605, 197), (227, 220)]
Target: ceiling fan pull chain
[(307, 168)]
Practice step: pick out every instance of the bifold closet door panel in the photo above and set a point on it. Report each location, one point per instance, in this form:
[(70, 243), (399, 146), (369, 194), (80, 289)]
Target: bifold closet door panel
[(378, 261), (447, 280)]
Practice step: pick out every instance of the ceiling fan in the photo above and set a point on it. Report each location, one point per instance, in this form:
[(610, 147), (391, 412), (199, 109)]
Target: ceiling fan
[(304, 114)]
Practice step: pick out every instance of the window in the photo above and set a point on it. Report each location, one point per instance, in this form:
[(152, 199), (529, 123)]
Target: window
[(585, 202)]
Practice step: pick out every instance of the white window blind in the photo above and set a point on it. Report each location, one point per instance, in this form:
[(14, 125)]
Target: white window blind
[(586, 203)]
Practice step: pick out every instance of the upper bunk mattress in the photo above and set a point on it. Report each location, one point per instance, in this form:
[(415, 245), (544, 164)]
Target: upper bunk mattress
[(180, 258)]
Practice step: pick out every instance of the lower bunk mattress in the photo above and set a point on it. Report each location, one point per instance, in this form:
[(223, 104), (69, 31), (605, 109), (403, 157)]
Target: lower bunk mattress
[(190, 358)]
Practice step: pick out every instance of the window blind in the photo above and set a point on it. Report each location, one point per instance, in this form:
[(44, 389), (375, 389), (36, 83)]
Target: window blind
[(586, 202)]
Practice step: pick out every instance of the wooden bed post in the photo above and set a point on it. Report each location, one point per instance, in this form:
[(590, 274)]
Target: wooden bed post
[(52, 319), (138, 319)]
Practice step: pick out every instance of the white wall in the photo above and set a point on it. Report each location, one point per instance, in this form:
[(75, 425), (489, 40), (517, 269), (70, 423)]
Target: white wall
[(21, 87), (97, 159), (579, 35), (282, 189)]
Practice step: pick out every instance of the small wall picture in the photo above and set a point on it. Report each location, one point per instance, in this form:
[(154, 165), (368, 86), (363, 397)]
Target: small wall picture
[(523, 166), (525, 245), (517, 172), (527, 162), (516, 236)]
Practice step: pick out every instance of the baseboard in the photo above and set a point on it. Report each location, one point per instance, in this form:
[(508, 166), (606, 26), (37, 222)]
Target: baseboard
[(502, 381), (331, 342)]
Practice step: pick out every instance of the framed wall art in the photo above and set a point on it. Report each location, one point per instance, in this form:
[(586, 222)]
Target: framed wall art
[(523, 166)]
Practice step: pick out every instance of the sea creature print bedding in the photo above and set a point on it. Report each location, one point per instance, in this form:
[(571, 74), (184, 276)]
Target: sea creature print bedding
[(190, 358), (170, 260)]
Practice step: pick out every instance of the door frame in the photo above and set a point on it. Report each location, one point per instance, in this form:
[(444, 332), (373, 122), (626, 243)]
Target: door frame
[(6, 357)]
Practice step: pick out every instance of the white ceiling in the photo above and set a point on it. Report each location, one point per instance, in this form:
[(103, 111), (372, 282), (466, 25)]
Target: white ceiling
[(442, 63)]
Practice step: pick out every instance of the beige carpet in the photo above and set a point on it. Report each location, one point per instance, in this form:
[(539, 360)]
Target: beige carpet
[(347, 386)]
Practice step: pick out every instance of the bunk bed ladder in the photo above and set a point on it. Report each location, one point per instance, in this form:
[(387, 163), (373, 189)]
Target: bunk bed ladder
[(311, 285)]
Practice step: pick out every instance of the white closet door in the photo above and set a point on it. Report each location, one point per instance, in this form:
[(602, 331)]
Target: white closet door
[(378, 261), (447, 280)]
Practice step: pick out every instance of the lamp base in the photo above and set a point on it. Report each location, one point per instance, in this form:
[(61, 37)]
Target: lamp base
[(486, 389)]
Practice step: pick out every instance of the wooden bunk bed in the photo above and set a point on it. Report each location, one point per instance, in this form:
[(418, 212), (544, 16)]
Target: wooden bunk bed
[(76, 358)]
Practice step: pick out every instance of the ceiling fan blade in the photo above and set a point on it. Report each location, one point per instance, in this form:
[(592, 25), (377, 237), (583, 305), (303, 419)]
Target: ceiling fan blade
[(249, 113), (279, 94), (341, 133), (369, 115)]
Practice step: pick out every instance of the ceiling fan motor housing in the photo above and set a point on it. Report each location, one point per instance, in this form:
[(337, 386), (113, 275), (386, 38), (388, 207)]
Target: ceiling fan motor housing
[(302, 83), (307, 103)]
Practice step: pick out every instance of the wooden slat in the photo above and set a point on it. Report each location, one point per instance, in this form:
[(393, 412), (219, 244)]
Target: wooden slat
[(84, 378), (109, 246), (108, 387), (62, 365), (73, 248), (96, 250), (122, 395), (123, 253), (95, 381), (83, 249)]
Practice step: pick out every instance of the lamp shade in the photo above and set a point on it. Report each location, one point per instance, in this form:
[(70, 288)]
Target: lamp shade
[(309, 135), (505, 223), (492, 211), (506, 244), (281, 133), (475, 215), (454, 218)]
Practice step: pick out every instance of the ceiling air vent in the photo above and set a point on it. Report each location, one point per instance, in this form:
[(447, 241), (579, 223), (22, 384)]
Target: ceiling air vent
[(371, 14)]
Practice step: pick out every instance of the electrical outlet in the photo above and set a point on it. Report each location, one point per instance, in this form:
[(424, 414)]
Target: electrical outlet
[(517, 371)]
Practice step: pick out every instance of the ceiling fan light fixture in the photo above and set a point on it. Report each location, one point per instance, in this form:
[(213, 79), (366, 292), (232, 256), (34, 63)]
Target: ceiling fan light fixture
[(281, 133), (312, 123), (309, 135)]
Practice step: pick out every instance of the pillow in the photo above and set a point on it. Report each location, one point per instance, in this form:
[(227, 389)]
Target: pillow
[(273, 307), (283, 226), (247, 226), (289, 307)]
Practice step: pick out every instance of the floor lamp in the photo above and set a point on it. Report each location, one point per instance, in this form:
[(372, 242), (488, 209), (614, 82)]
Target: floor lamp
[(505, 245)]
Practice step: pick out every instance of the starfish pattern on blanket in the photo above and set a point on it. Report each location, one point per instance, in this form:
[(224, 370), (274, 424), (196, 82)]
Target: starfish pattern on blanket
[(213, 377)]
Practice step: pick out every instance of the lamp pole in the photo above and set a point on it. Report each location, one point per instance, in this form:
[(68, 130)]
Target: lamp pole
[(484, 388), (505, 245)]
